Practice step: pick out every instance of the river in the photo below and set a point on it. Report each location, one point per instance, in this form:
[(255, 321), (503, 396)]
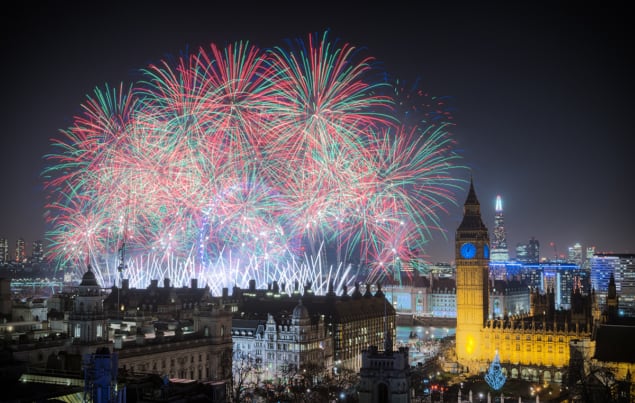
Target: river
[(425, 346), (424, 333)]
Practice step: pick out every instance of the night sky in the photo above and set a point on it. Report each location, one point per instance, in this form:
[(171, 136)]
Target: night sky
[(543, 95)]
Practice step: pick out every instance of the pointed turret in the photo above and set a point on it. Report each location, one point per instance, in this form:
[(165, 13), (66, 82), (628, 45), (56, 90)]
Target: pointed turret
[(472, 212)]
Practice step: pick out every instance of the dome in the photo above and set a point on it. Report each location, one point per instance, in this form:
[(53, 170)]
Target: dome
[(89, 279), (300, 311)]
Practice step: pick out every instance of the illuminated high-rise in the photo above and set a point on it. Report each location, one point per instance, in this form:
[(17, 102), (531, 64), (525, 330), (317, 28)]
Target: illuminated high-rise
[(500, 253), (533, 250), (37, 255), (575, 254), (20, 251), (622, 267), (4, 250), (585, 269), (528, 252)]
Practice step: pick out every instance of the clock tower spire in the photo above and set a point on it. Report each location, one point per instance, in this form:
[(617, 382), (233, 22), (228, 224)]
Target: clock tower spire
[(472, 280)]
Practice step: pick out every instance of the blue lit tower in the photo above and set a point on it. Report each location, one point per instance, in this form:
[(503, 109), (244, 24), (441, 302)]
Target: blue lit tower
[(500, 253)]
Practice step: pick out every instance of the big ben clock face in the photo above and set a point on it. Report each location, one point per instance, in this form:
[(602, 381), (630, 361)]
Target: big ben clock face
[(486, 252), (468, 250)]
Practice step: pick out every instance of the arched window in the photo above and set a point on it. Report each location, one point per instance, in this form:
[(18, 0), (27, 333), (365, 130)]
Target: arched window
[(78, 330)]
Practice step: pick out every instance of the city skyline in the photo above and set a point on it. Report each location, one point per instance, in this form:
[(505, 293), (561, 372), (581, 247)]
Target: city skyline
[(540, 98)]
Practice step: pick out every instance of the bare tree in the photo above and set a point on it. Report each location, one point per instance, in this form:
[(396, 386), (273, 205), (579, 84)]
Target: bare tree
[(312, 372), (245, 371), (590, 382), (288, 371)]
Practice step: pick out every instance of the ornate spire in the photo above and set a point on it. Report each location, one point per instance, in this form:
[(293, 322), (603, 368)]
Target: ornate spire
[(472, 212)]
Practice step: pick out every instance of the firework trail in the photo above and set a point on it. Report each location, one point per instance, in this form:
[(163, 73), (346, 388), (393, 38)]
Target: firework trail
[(238, 163)]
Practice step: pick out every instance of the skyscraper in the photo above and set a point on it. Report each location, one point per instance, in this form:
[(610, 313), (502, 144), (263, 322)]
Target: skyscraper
[(575, 254), (37, 255), (622, 267), (4, 250), (500, 253), (533, 250), (528, 252), (20, 251)]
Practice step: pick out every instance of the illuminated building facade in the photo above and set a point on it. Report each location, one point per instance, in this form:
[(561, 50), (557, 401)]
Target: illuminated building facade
[(534, 347), (528, 252), (500, 252), (353, 322), (575, 254), (558, 277), (472, 284), (508, 298), (424, 297), (4, 251), (197, 348), (586, 268), (87, 323), (442, 302), (281, 347), (37, 255), (622, 267), (20, 251), (436, 298)]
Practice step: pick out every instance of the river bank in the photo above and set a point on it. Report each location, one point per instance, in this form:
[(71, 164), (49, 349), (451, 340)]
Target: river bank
[(409, 320)]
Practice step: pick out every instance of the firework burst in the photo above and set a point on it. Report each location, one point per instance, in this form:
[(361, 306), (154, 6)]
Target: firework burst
[(237, 163)]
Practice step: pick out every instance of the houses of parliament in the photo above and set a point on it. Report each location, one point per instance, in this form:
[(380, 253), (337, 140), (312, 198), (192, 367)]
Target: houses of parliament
[(537, 345)]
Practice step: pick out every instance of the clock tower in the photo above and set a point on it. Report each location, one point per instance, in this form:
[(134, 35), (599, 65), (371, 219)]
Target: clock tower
[(472, 281)]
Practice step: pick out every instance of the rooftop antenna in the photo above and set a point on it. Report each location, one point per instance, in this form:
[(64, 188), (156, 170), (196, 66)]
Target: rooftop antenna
[(387, 337), (122, 265), (122, 259), (120, 269)]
